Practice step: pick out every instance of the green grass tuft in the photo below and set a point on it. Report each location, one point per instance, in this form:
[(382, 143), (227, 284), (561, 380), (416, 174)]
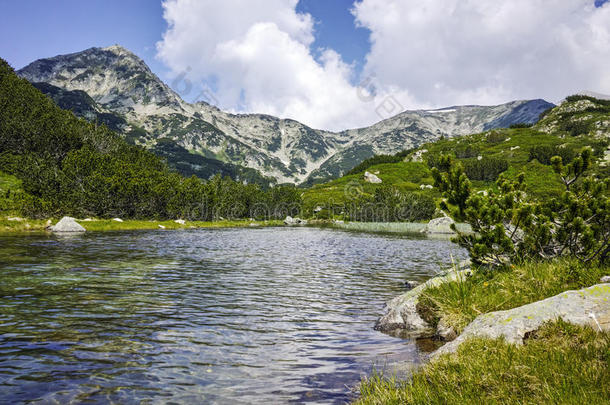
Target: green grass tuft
[(559, 364), (460, 301)]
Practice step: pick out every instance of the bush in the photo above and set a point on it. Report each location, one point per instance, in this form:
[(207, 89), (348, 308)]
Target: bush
[(496, 137), (379, 159), (521, 125), (467, 152), (544, 153), (486, 169), (576, 128), (509, 228)]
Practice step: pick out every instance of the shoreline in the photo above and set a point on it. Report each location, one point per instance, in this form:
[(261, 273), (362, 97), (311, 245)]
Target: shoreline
[(13, 226), (24, 226)]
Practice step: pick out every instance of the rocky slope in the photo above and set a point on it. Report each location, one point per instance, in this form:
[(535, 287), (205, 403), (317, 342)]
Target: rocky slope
[(120, 82)]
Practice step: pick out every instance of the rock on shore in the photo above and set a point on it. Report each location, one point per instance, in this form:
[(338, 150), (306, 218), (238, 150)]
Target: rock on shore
[(589, 306), (401, 317), (67, 225), (440, 225)]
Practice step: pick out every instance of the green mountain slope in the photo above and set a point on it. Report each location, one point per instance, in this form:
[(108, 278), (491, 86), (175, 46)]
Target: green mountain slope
[(579, 122), (177, 157), (53, 163), (284, 149)]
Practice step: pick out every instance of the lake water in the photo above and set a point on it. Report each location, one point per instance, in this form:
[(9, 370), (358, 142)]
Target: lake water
[(270, 315)]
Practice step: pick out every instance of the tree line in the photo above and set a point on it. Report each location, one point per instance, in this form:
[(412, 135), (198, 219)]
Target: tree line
[(69, 166)]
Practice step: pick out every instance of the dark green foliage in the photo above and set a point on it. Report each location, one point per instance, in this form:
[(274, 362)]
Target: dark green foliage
[(192, 164), (440, 162), (466, 152), (576, 128), (578, 97), (521, 125), (70, 166), (544, 153), (379, 159), (388, 204), (455, 186), (486, 169), (508, 226), (496, 137)]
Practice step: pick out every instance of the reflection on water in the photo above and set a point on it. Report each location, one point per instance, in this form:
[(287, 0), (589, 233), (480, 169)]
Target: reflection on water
[(236, 315)]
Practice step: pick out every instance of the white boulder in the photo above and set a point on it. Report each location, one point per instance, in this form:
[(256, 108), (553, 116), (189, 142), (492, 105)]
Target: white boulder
[(440, 225), (67, 225), (371, 178)]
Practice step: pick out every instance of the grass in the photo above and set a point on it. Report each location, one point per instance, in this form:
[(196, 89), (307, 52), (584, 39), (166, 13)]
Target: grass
[(406, 176), (106, 225), (560, 363), (460, 301)]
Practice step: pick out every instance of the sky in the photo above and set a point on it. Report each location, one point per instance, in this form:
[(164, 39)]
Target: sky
[(334, 64)]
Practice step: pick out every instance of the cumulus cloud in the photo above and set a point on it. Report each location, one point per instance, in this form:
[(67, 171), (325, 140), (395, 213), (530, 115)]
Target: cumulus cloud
[(488, 51), (258, 55)]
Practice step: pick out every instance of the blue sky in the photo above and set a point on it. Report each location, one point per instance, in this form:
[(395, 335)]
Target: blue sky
[(39, 29), (333, 64)]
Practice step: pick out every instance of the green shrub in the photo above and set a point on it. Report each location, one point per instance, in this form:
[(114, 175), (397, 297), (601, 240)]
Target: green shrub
[(485, 169), (544, 153), (510, 227)]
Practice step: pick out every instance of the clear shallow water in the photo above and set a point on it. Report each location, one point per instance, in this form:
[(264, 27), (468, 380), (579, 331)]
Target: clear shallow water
[(273, 315)]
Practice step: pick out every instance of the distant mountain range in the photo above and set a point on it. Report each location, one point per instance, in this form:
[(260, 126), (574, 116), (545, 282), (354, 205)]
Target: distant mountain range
[(115, 87)]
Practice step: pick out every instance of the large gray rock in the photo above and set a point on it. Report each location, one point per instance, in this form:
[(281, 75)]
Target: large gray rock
[(401, 317), (589, 306), (440, 225), (67, 225)]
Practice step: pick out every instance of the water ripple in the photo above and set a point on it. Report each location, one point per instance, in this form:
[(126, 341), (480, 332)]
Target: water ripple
[(233, 315)]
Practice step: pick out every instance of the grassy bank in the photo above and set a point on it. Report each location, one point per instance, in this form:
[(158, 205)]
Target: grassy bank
[(561, 363), (459, 302), (8, 227)]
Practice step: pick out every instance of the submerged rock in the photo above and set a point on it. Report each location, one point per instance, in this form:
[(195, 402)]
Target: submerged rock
[(410, 284), (589, 306), (67, 225)]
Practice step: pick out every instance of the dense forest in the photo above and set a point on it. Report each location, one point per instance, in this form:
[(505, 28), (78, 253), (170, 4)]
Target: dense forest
[(69, 166)]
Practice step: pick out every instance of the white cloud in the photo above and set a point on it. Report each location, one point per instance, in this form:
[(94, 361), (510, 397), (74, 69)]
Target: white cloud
[(258, 53), (424, 54), (488, 51)]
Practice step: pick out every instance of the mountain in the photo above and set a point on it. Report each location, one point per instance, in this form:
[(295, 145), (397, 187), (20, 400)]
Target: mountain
[(176, 156), (286, 150)]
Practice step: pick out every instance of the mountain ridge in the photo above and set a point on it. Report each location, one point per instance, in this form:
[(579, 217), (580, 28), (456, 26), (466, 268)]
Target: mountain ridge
[(285, 149)]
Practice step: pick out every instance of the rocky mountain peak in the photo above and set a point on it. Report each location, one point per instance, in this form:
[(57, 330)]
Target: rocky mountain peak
[(114, 77), (287, 150)]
